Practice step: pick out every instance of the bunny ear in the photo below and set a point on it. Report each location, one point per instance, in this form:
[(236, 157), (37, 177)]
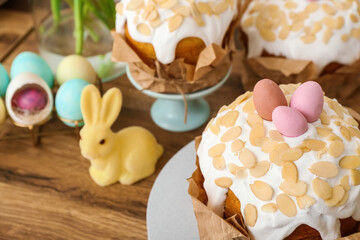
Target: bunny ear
[(110, 106), (90, 104)]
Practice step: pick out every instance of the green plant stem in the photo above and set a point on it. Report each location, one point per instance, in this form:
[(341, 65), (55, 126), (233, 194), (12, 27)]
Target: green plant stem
[(104, 10), (108, 8), (70, 3), (79, 27), (94, 36), (55, 9), (85, 10), (97, 13)]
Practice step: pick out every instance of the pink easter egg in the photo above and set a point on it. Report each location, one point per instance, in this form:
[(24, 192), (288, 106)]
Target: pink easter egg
[(289, 122), (29, 99), (308, 99), (267, 96)]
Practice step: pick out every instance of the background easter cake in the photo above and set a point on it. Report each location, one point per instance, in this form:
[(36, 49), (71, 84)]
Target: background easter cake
[(175, 40), (296, 40), (304, 30)]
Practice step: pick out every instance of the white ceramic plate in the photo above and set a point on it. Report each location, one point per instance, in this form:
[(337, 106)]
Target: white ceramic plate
[(170, 212)]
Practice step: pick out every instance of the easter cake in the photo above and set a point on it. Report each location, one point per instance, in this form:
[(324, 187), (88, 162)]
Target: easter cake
[(175, 46), (284, 159), (166, 30), (304, 30)]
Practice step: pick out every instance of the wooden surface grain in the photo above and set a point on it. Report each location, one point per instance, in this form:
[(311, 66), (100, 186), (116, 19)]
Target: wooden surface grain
[(14, 26), (46, 191)]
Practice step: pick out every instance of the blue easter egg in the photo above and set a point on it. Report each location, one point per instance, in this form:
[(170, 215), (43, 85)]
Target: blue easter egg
[(4, 80), (32, 62), (67, 101)]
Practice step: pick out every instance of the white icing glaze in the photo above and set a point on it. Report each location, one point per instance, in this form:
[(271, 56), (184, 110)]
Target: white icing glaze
[(165, 42), (336, 50), (276, 225)]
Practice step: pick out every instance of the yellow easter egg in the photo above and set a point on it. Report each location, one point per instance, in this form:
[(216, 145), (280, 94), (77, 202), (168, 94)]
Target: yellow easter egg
[(2, 112), (75, 66)]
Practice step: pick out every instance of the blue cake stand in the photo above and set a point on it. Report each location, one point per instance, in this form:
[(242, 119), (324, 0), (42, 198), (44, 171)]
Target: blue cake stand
[(168, 110)]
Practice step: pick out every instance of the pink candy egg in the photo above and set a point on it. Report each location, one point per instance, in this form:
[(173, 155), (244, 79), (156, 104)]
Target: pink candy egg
[(31, 98), (289, 122), (308, 99), (267, 96)]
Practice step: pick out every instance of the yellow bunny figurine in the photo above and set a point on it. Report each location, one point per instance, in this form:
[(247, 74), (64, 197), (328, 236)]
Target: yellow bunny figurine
[(126, 156)]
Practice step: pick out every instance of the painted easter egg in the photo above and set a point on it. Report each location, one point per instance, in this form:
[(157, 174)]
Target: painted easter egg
[(289, 122), (31, 62), (4, 80), (28, 100), (67, 101), (308, 99), (267, 96), (2, 112), (75, 66)]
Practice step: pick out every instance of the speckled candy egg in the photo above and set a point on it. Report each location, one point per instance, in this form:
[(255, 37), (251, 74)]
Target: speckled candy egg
[(267, 96), (4, 80), (2, 112), (29, 100), (31, 62), (75, 66), (308, 99), (67, 101)]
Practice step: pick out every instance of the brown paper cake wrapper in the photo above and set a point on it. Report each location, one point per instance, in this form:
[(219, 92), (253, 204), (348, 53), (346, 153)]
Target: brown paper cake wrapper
[(177, 77), (210, 225), (213, 227), (343, 84)]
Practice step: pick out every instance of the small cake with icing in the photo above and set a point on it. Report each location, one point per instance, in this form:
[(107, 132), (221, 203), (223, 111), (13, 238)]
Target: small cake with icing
[(166, 30), (323, 31), (287, 160)]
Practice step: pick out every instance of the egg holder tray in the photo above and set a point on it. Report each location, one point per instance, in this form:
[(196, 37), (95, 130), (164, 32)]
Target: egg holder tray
[(35, 129)]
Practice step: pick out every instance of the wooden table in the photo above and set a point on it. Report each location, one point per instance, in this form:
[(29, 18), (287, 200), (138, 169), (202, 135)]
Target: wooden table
[(46, 191)]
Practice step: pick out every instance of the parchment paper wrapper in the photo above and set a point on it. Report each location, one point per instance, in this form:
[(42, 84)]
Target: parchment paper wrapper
[(213, 227), (210, 225), (177, 77), (343, 84)]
